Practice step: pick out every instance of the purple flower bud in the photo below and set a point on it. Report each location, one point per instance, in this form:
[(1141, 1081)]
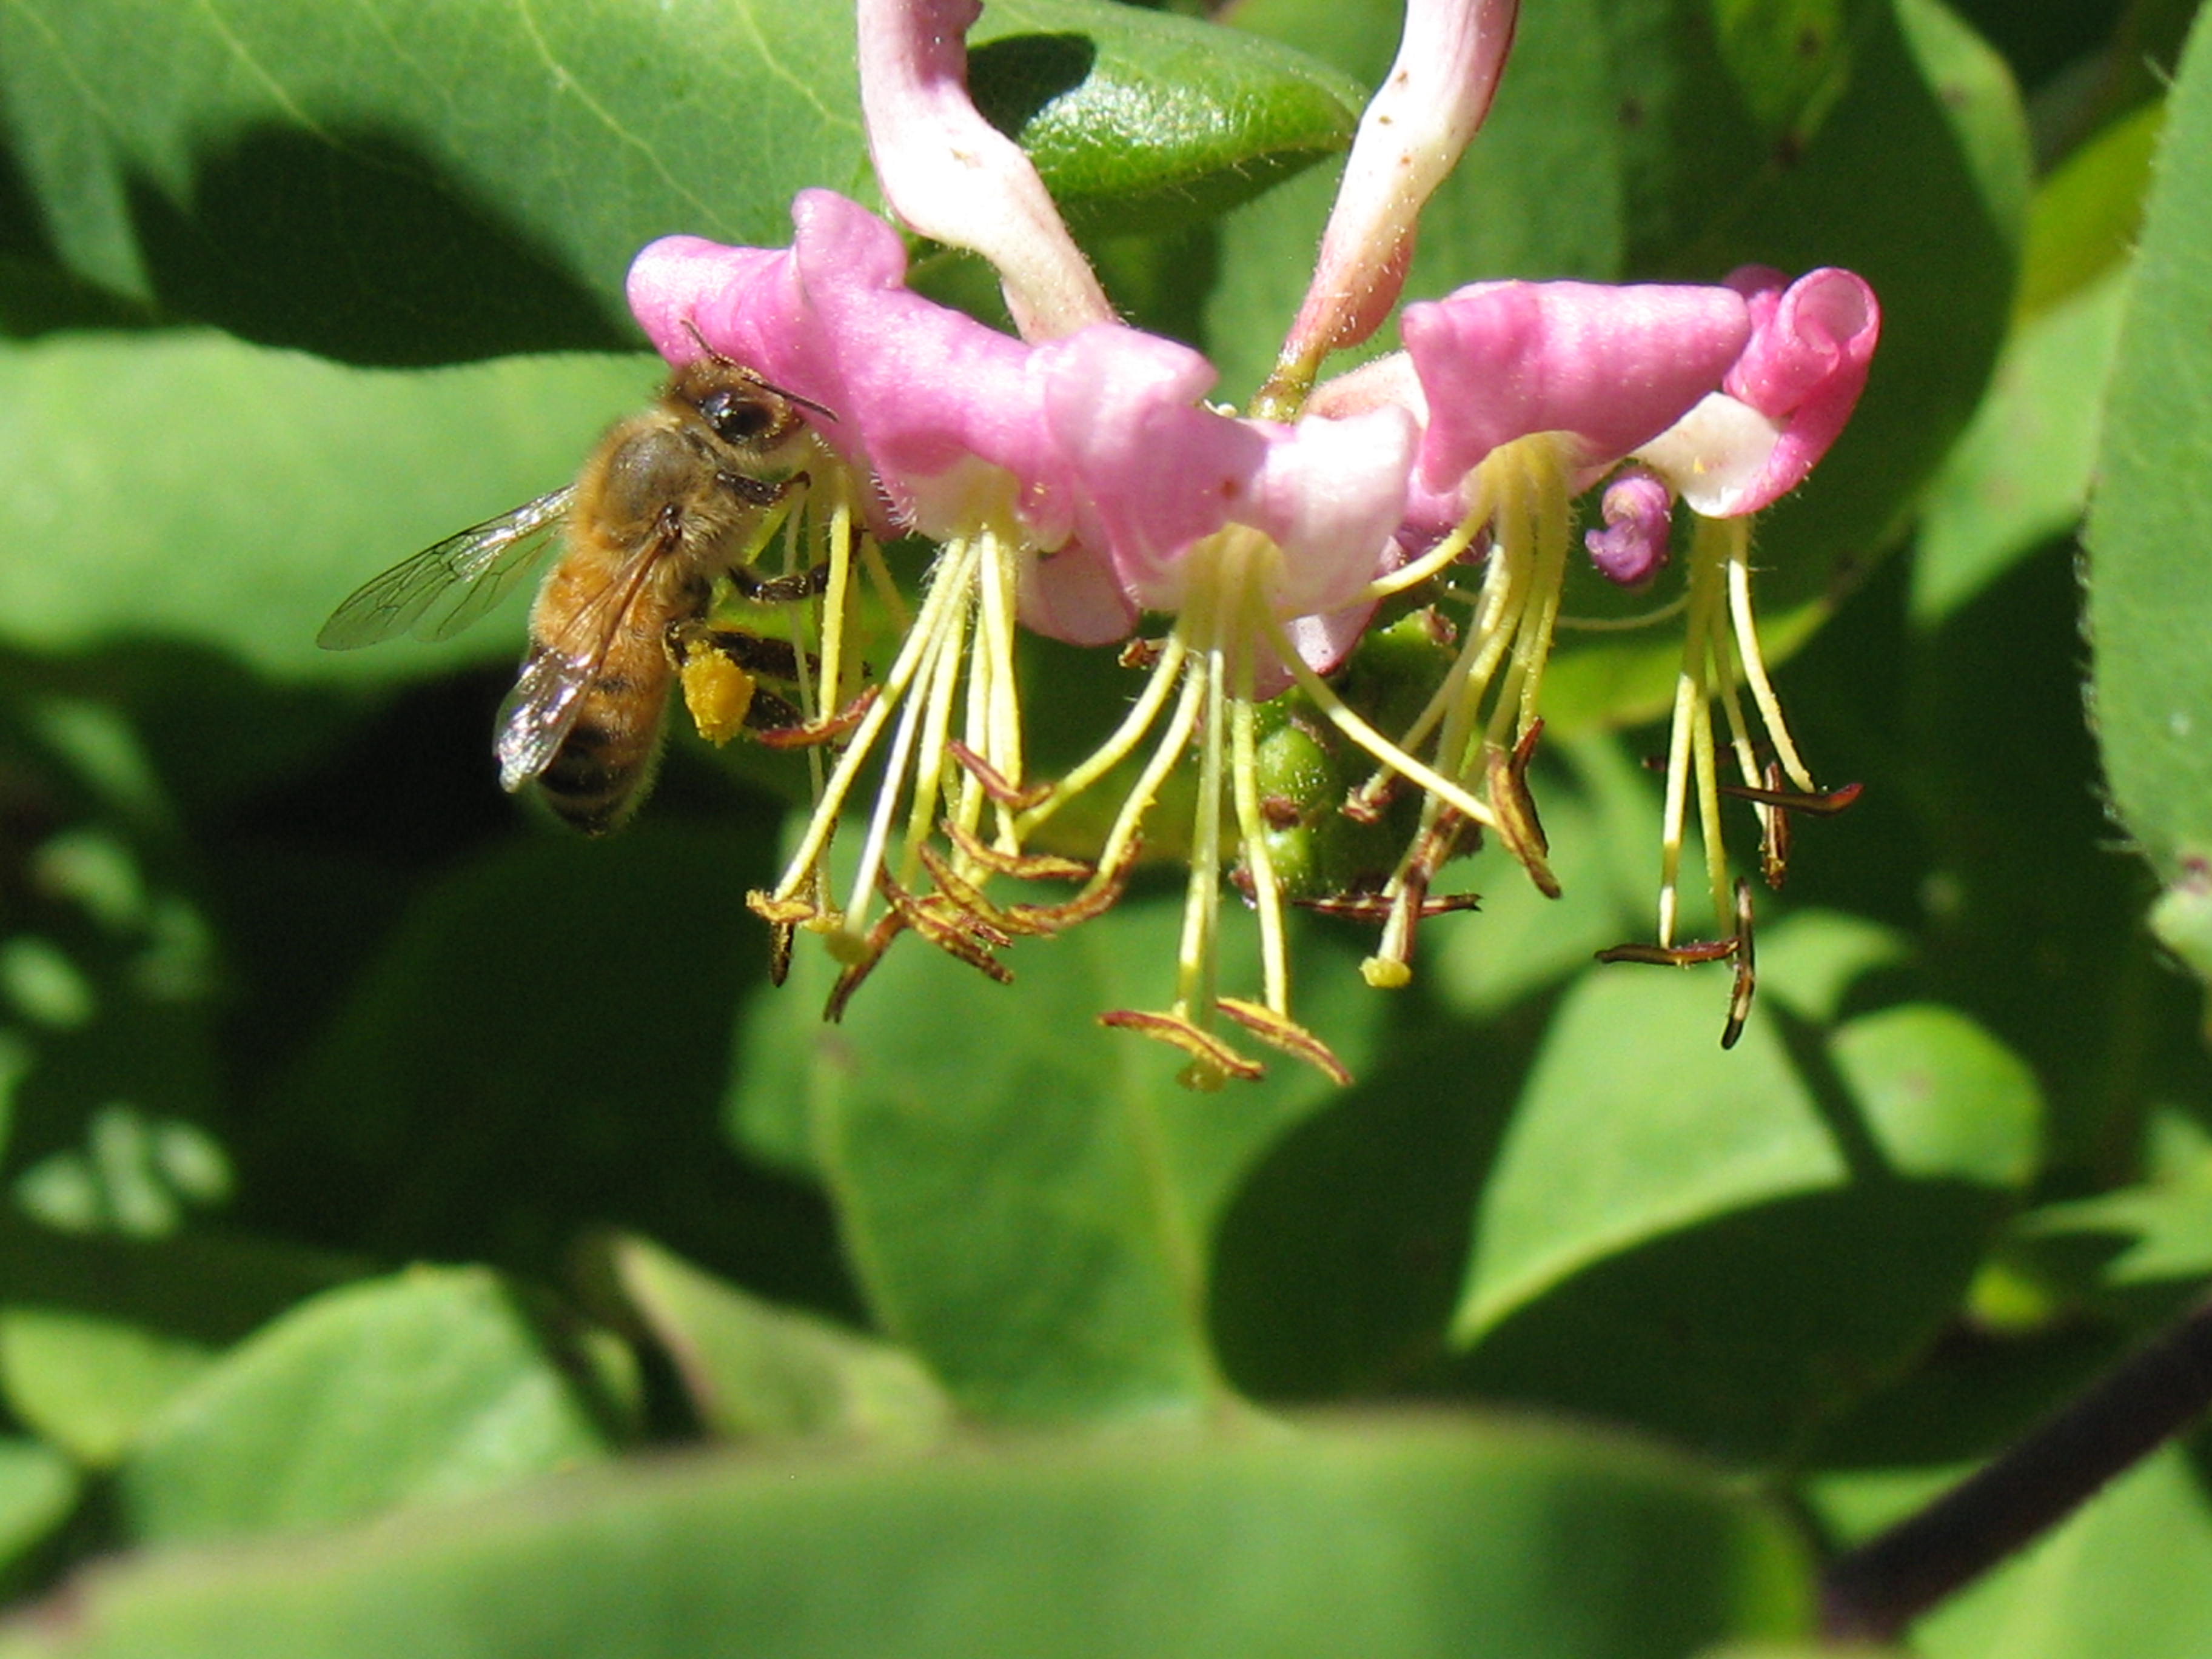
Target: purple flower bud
[(1631, 549)]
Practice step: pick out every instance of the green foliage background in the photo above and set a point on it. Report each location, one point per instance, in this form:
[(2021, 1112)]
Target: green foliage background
[(387, 1179)]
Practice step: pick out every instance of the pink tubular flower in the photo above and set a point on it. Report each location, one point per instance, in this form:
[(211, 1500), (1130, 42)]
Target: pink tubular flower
[(1612, 367)]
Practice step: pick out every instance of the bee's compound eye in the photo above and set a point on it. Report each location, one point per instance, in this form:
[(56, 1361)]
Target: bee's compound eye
[(739, 417)]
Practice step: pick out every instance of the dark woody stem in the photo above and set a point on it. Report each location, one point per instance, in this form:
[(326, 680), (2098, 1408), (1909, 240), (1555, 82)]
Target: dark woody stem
[(1873, 1592)]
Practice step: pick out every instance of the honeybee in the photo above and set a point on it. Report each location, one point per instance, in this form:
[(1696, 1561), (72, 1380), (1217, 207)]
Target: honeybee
[(670, 500)]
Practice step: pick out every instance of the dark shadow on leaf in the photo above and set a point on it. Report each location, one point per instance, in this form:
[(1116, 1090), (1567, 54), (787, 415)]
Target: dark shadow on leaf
[(358, 247), (1013, 78), (1742, 1336), (1337, 1265)]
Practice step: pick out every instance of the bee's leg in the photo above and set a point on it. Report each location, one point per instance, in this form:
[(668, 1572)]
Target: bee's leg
[(761, 492), (780, 590), (806, 734), (718, 690)]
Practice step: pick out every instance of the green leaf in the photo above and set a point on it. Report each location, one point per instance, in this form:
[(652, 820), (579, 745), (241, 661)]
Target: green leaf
[(1141, 120), (1392, 1541), (1028, 1197), (289, 483), (2021, 474), (757, 1372), (1709, 1218), (38, 1489), (539, 1045), (86, 1383), (399, 183), (2150, 605), (2128, 1576), (430, 1387), (2088, 213)]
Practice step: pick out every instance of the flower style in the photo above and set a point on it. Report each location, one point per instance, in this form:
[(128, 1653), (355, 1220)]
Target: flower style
[(1073, 480)]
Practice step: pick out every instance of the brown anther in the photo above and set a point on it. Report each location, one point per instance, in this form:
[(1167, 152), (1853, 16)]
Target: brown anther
[(1518, 825), (878, 940), (1099, 896), (1203, 1047), (1747, 972), (1142, 654), (996, 784), (1374, 907), (1023, 867), (1280, 812), (962, 892), (952, 930), (1775, 804), (1367, 804), (779, 913), (1671, 956), (1278, 1031)]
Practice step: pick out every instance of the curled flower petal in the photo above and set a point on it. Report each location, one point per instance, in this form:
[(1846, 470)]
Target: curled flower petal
[(1638, 511), (1611, 366), (1784, 401), (952, 176)]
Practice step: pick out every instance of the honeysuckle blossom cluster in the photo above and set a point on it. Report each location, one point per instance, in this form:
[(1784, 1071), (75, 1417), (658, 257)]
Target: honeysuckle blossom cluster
[(1074, 481)]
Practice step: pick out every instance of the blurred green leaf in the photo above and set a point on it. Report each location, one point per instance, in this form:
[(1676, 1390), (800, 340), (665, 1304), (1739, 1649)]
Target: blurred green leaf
[(430, 1387), (1601, 813), (290, 481), (1380, 1538), (394, 183), (2150, 606), (2021, 474), (88, 1384), (37, 1489), (2128, 1577), (755, 1371), (1712, 1220), (2155, 1234), (2088, 213), (538, 1045)]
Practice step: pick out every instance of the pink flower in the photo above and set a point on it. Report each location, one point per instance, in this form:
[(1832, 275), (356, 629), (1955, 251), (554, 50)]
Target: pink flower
[(1610, 366)]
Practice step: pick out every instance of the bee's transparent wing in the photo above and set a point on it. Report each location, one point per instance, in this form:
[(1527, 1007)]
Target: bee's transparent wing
[(442, 589), (549, 693)]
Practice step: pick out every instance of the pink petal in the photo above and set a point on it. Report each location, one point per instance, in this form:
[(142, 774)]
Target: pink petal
[(1784, 401), (1332, 495), (952, 176), (1074, 595), (1612, 367), (1156, 472), (1410, 137)]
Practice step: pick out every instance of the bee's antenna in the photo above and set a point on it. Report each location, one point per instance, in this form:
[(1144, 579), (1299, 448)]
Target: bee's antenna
[(700, 340), (766, 384), (793, 398)]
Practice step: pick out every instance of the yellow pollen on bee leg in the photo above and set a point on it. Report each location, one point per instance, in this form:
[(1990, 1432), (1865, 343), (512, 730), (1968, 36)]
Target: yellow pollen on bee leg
[(718, 694)]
